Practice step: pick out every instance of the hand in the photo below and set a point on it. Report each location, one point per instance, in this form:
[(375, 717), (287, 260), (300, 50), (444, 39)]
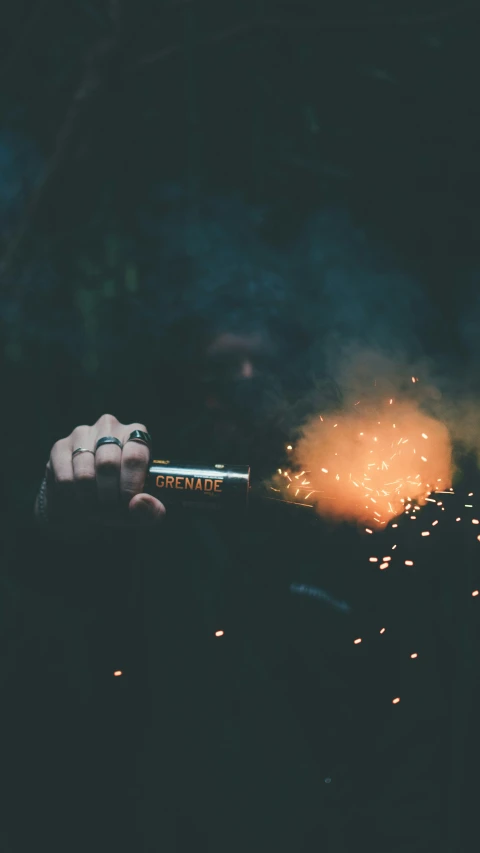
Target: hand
[(102, 490)]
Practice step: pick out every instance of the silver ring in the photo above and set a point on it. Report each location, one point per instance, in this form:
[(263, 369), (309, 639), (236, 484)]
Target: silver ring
[(108, 439), (82, 450), (140, 436)]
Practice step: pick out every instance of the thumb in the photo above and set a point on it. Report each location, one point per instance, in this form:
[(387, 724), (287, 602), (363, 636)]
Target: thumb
[(146, 508)]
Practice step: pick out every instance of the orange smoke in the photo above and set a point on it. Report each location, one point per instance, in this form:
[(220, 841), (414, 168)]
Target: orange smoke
[(366, 466)]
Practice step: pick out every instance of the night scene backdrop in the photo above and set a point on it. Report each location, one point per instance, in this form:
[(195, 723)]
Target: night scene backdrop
[(305, 174)]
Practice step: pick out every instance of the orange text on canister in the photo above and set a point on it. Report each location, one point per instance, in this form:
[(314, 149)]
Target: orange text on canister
[(188, 483)]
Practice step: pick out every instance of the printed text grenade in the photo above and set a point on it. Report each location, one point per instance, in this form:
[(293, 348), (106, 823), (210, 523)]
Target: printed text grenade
[(195, 486)]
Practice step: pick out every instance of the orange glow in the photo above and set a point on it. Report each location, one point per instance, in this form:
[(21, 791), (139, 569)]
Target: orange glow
[(219, 633), (382, 630), (358, 472), (425, 533), (409, 562), (475, 521), (118, 672), (357, 641), (414, 655), (475, 592), (373, 559), (396, 701), (384, 566)]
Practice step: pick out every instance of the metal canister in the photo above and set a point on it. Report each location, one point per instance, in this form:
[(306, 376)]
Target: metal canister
[(192, 485)]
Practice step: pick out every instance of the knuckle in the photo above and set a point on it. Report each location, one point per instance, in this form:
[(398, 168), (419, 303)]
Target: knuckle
[(107, 419), (80, 430), (139, 426)]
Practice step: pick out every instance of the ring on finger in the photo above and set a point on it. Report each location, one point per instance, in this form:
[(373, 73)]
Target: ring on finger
[(82, 450), (108, 439), (140, 435)]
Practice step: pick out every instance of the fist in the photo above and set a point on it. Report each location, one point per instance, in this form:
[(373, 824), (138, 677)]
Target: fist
[(103, 488)]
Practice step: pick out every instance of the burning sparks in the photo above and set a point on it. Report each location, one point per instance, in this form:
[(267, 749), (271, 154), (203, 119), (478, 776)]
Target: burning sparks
[(368, 474), (359, 466)]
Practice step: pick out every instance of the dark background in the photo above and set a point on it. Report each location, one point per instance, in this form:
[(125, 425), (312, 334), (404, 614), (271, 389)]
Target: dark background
[(169, 163), (171, 169)]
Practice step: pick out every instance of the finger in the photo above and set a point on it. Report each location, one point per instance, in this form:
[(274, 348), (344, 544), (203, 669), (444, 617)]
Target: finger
[(108, 459), (145, 509), (60, 494), (83, 465), (134, 466)]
